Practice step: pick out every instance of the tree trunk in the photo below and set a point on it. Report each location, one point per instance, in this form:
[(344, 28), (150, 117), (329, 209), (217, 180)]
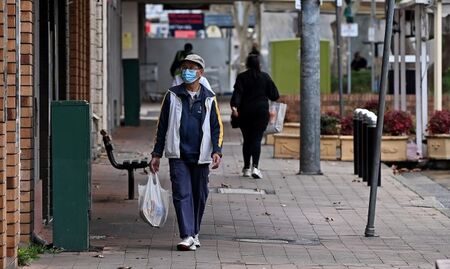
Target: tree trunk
[(241, 26)]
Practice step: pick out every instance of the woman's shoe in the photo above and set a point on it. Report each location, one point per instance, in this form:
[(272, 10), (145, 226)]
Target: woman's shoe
[(246, 172), (256, 173)]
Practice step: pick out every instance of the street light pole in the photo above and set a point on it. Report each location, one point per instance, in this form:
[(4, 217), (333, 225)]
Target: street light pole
[(370, 229)]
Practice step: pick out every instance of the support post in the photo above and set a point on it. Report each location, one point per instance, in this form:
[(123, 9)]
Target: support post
[(438, 56), (310, 89), (418, 74), (372, 46), (349, 66), (424, 59), (338, 4), (370, 228), (396, 67), (402, 60)]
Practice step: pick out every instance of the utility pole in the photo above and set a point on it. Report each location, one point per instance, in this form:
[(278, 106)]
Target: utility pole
[(310, 89), (371, 37), (338, 55), (348, 13)]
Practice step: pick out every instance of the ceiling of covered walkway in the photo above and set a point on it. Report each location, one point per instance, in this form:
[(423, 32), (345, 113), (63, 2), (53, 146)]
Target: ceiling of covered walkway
[(328, 6)]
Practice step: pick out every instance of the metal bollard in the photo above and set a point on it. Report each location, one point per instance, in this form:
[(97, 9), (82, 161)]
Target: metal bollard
[(361, 142), (355, 140), (372, 135), (365, 146)]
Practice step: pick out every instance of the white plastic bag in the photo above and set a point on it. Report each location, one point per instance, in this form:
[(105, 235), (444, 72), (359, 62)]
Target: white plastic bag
[(277, 111), (153, 202)]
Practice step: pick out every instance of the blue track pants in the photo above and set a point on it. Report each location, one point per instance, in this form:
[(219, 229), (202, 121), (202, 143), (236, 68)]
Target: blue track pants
[(189, 191)]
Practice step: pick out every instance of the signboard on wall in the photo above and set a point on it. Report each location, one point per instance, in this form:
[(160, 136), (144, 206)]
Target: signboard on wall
[(185, 34), (186, 21), (349, 30)]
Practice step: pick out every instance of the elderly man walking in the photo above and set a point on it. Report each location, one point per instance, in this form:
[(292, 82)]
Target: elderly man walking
[(190, 131)]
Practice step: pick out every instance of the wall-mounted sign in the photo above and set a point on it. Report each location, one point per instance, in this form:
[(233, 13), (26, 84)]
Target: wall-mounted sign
[(185, 34), (349, 30), (186, 21)]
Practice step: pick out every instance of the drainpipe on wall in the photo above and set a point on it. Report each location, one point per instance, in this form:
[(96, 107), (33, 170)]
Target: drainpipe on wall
[(105, 65)]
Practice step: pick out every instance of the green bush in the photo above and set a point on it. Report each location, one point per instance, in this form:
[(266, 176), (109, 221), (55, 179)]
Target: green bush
[(361, 82)]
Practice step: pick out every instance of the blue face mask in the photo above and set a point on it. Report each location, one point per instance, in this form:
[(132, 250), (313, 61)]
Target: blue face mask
[(189, 75)]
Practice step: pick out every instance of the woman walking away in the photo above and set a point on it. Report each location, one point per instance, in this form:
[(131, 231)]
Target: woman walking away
[(250, 103)]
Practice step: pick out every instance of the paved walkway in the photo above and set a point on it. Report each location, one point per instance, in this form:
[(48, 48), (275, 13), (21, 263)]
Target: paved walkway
[(302, 221)]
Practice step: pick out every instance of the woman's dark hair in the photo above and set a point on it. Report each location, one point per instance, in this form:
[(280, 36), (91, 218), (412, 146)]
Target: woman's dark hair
[(252, 64)]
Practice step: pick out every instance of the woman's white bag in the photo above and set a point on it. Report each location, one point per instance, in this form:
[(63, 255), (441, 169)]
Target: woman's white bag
[(153, 202), (277, 111)]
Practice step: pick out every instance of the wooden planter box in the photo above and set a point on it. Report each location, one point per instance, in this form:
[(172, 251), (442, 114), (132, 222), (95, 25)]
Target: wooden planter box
[(438, 147), (288, 128), (328, 147), (346, 147), (286, 146), (393, 148)]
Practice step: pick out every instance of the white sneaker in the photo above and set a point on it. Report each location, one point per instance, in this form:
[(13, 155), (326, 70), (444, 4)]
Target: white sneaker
[(186, 244), (246, 172), (256, 173), (197, 241)]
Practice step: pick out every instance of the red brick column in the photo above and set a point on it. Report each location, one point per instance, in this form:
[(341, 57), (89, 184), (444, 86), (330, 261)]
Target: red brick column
[(12, 138), (3, 87), (26, 120), (79, 44)]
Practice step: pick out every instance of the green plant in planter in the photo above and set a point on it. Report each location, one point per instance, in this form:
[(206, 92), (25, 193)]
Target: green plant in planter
[(397, 123), (439, 122), (329, 123)]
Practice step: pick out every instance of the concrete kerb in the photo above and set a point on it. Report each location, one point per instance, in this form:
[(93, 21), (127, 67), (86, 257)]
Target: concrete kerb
[(415, 183)]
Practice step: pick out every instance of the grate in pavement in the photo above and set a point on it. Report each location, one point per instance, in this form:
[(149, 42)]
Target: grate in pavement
[(240, 191), (301, 241)]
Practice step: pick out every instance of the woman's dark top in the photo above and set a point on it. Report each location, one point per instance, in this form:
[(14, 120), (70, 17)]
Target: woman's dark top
[(252, 91)]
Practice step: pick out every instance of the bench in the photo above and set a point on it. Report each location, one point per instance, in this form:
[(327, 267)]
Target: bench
[(129, 165)]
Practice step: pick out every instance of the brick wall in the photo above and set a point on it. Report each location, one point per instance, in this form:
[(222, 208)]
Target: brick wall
[(330, 102), (26, 120), (3, 54), (12, 137), (79, 60), (15, 129)]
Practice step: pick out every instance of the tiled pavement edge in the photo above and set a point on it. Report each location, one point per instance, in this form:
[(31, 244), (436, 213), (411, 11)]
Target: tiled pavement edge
[(313, 221)]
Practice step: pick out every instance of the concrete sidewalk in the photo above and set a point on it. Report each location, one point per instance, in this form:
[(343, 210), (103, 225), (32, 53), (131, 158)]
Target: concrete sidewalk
[(302, 221)]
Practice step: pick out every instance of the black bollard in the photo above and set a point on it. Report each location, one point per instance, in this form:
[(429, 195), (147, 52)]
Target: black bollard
[(372, 135), (365, 147), (361, 143), (355, 140)]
